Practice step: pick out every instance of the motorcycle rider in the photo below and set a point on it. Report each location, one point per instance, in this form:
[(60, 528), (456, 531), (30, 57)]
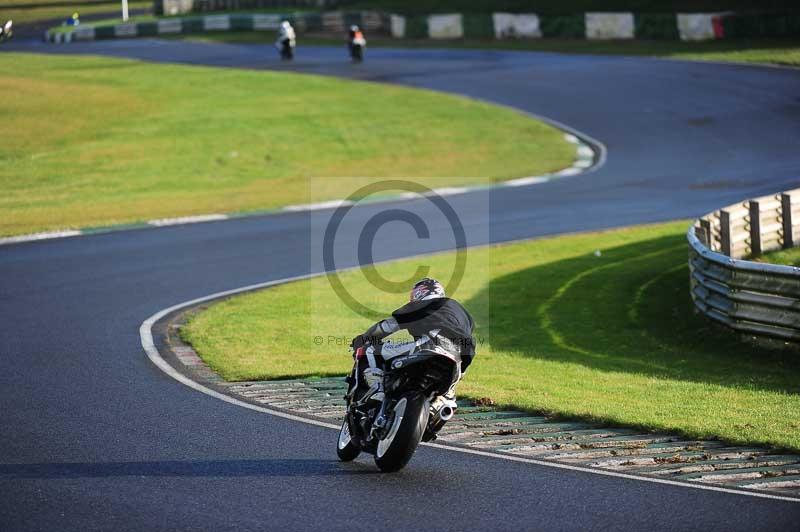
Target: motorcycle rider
[(6, 32), (285, 33), (355, 37), (429, 314)]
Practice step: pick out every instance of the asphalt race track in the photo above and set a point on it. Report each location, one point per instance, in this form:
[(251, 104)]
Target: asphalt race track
[(95, 437)]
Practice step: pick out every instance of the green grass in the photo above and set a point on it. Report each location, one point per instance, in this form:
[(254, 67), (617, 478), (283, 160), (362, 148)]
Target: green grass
[(47, 3), (36, 14), (560, 330), (784, 51), (790, 257), (105, 22), (98, 141)]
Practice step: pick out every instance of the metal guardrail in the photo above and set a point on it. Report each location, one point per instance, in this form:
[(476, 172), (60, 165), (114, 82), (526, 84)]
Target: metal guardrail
[(751, 297)]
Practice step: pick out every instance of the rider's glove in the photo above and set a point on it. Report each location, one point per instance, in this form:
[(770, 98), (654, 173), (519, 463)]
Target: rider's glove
[(359, 341)]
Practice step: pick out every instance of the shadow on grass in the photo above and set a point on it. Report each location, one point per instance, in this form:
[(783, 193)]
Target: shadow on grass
[(629, 311)]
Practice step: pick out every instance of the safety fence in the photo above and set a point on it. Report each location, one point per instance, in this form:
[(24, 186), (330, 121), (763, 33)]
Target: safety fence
[(598, 26), (754, 298), (331, 21)]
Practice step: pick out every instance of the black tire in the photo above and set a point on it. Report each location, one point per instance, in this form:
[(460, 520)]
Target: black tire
[(287, 52), (394, 452), (346, 449)]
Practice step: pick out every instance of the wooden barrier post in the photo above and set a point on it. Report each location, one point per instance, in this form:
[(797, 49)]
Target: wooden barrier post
[(705, 232), (786, 218), (755, 228), (725, 232)]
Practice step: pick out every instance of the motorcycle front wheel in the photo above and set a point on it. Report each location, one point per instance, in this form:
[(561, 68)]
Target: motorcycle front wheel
[(410, 417), (346, 448)]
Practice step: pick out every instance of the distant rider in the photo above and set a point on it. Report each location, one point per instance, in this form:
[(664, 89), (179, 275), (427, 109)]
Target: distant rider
[(6, 32), (355, 37), (285, 33), (430, 314)]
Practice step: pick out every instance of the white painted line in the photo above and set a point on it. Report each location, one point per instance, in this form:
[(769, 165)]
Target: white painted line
[(524, 181), (333, 204), (409, 195), (449, 191), (38, 236), (569, 171), (146, 336), (585, 151), (187, 220), (444, 191), (570, 135), (582, 163)]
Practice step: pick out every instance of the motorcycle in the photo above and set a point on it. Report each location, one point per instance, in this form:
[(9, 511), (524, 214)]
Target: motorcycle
[(6, 31), (392, 408), (286, 49), (357, 46)]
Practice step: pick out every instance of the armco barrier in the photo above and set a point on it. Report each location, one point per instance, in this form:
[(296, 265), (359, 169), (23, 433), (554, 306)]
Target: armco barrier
[(751, 297)]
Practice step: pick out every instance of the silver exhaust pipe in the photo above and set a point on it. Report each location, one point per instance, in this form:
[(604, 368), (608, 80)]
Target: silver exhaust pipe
[(447, 411)]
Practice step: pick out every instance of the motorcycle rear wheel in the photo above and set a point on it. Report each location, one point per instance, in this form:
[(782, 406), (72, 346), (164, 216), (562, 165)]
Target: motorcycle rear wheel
[(408, 425)]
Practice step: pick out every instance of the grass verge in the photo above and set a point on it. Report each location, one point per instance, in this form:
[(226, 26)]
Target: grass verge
[(106, 22), (761, 51), (561, 330), (33, 14), (789, 257), (99, 141)]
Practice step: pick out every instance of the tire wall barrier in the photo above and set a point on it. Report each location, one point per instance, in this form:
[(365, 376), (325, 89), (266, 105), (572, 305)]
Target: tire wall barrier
[(597, 26), (754, 298)]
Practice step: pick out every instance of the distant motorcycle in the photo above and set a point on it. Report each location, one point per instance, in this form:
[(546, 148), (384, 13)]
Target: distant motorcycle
[(6, 31), (286, 49), (390, 410), (357, 43), (286, 41)]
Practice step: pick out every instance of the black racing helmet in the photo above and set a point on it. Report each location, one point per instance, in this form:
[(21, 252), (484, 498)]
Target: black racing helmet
[(426, 289)]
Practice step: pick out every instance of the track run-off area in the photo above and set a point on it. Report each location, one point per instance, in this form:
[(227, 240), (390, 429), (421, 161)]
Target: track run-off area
[(97, 437)]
